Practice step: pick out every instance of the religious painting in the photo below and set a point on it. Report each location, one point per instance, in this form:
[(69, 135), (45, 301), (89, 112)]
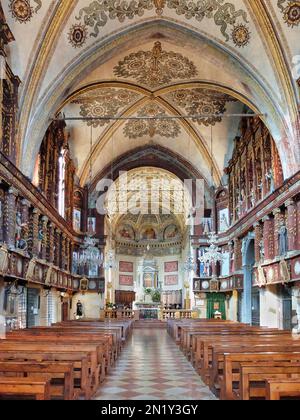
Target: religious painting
[(125, 280), (77, 220), (224, 222), (149, 234), (126, 232), (92, 225), (171, 280), (171, 232), (126, 267), (171, 267)]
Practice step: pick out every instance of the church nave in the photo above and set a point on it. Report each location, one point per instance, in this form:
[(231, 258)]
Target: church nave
[(151, 367)]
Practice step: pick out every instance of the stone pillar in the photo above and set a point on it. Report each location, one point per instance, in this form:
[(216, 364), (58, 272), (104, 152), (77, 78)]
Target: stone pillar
[(10, 218), (258, 231), (291, 224), (268, 237), (45, 237), (278, 219)]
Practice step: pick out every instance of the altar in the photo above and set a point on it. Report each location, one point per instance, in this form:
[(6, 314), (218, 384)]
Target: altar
[(148, 311)]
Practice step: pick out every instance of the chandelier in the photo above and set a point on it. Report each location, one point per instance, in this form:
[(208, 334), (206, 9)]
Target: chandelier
[(90, 255), (212, 255)]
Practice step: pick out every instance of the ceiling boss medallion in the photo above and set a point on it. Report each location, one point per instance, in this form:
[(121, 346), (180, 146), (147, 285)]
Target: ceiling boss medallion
[(22, 10), (202, 102), (140, 128), (104, 103), (157, 67), (291, 12)]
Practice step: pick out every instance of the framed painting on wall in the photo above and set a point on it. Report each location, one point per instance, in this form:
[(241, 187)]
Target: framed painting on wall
[(171, 267), (125, 267), (77, 220), (171, 280), (126, 280)]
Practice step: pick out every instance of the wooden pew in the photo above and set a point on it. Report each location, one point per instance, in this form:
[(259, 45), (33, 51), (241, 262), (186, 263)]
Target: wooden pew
[(253, 377), (231, 362), (276, 389), (82, 374), (25, 387), (50, 371)]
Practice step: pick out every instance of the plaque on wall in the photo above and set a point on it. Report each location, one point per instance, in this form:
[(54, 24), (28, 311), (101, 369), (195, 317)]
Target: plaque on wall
[(171, 267), (125, 267), (126, 280), (171, 280)]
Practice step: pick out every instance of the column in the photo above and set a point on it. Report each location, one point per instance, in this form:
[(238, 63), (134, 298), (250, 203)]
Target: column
[(68, 254), (291, 224), (10, 218), (237, 255), (51, 243), (63, 252), (45, 237), (258, 230), (268, 238), (278, 219), (298, 224), (25, 220), (34, 233), (57, 248)]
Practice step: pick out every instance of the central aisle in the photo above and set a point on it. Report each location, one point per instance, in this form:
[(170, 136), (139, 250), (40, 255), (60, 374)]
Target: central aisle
[(152, 367)]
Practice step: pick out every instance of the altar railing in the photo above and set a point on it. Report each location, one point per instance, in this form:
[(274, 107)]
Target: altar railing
[(119, 314), (177, 314)]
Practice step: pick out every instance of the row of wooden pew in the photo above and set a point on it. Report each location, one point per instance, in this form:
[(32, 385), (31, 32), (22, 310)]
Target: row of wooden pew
[(68, 360), (238, 361)]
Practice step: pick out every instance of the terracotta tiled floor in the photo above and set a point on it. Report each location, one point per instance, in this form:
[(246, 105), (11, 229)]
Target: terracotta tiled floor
[(152, 367)]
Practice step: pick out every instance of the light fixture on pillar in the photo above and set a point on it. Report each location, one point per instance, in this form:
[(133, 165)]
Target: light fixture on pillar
[(213, 254)]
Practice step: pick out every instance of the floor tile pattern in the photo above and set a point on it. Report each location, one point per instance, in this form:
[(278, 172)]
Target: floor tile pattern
[(151, 367)]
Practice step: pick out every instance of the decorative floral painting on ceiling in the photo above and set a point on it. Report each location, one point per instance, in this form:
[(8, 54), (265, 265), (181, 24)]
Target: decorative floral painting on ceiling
[(202, 102), (150, 127), (291, 11), (156, 67), (23, 10), (104, 103), (90, 19)]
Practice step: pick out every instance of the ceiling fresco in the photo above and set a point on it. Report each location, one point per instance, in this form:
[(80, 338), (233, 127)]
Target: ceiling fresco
[(24, 10), (155, 68), (162, 127), (290, 11), (231, 22)]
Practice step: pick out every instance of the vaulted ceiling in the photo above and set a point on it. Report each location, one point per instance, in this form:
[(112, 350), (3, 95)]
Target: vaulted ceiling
[(156, 58)]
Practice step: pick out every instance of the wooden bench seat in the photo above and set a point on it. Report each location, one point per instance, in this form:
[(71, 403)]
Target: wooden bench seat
[(20, 387), (277, 389)]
